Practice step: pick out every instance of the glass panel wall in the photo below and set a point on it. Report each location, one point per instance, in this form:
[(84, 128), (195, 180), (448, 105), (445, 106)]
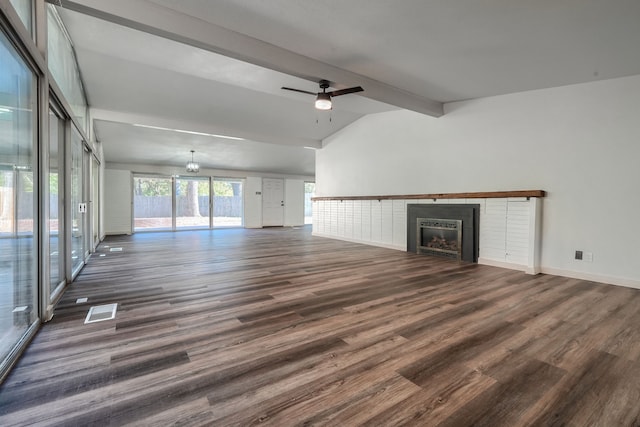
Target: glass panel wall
[(152, 203), (192, 202), (56, 205), (18, 204), (309, 191), (76, 205), (156, 207), (227, 202), (63, 66), (32, 199)]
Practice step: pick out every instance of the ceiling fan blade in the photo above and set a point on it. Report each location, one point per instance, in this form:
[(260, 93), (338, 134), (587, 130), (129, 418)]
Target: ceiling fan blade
[(300, 90), (345, 91)]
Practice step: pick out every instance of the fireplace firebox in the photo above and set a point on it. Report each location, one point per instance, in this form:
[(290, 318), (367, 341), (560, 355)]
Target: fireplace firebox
[(439, 237), (466, 217)]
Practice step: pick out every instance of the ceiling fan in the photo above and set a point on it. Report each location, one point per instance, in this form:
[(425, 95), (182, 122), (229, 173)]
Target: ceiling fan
[(323, 99)]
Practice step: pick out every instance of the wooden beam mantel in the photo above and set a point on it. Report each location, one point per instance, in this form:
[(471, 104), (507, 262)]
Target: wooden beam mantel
[(476, 195)]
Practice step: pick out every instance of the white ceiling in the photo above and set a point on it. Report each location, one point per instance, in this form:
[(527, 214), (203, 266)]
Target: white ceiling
[(217, 67)]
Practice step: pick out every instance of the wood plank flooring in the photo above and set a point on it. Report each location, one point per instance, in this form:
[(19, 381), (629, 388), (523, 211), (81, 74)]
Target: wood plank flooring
[(276, 327)]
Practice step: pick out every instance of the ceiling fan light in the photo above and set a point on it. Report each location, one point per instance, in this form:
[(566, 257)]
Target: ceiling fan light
[(323, 101)]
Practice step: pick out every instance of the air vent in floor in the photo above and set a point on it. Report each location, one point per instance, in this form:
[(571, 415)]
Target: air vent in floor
[(98, 313)]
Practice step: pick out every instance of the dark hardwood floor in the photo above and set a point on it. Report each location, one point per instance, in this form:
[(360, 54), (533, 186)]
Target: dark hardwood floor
[(276, 327)]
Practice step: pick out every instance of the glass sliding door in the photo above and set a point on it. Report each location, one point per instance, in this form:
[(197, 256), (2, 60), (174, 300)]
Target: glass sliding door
[(166, 203), (227, 203), (77, 206), (86, 203), (192, 202), (18, 204), (152, 203), (55, 185)]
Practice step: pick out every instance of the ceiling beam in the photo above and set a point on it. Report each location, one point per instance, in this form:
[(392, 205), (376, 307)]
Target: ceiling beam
[(182, 125), (164, 22)]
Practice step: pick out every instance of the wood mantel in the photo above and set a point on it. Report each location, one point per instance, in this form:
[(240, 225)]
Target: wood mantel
[(476, 195)]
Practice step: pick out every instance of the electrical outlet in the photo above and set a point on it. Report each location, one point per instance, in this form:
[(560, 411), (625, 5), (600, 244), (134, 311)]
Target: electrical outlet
[(588, 256), (579, 255)]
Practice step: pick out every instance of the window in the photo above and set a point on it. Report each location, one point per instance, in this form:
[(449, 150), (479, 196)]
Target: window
[(78, 220), (23, 9), (63, 67), (309, 191), (152, 203), (183, 202), (192, 202), (56, 207), (18, 258), (227, 203)]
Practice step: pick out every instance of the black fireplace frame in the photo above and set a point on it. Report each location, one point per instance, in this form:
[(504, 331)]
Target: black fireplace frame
[(469, 214)]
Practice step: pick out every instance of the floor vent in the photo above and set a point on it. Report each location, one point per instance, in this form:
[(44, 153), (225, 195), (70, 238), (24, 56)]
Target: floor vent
[(82, 300), (115, 249), (98, 313)]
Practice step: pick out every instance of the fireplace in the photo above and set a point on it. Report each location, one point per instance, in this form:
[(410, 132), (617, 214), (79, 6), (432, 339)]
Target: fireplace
[(439, 237), (445, 230)]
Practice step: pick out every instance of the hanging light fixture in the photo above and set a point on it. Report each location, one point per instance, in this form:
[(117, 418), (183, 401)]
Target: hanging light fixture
[(192, 166)]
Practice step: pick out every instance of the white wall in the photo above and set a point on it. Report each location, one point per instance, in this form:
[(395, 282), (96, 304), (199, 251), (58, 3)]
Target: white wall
[(253, 202), (580, 143), (293, 202), (117, 202)]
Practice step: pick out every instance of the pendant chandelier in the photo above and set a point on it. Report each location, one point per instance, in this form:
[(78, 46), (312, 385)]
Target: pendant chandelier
[(192, 166)]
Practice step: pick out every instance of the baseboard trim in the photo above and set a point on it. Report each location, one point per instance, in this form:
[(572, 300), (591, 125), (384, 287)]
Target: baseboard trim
[(363, 242), (610, 280), (509, 265)]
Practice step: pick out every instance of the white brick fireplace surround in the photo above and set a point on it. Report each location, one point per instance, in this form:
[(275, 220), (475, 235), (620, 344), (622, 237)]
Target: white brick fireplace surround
[(509, 223)]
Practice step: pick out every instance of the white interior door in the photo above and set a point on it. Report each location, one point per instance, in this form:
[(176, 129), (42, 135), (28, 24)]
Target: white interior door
[(272, 202)]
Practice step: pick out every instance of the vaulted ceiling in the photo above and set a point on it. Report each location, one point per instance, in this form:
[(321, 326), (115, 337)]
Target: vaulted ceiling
[(215, 69)]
